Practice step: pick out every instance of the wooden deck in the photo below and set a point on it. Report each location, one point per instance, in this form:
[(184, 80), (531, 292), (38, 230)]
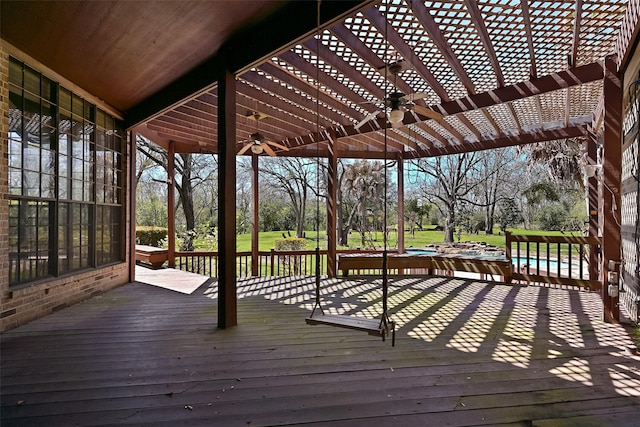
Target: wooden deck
[(466, 354)]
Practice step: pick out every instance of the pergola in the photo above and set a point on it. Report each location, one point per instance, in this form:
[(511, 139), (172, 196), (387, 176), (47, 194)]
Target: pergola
[(489, 74)]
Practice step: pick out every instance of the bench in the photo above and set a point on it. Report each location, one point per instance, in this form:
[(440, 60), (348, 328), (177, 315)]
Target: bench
[(151, 255), (428, 263)]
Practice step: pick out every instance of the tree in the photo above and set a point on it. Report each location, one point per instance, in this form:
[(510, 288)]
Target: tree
[(508, 214), (447, 180), (495, 170), (364, 182), (191, 170), (296, 178), (415, 211)]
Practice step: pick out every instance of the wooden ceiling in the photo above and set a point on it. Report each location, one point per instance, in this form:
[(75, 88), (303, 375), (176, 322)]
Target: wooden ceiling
[(489, 73)]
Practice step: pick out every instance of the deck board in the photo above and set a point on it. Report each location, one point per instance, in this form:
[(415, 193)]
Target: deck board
[(467, 353)]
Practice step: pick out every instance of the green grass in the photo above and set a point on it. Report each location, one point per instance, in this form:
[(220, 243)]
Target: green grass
[(266, 240)]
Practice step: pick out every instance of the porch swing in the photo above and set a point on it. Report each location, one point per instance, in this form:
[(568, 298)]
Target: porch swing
[(375, 327)]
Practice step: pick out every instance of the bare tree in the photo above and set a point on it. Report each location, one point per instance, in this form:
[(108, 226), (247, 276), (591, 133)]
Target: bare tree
[(295, 177), (447, 180), (191, 170), (495, 169)]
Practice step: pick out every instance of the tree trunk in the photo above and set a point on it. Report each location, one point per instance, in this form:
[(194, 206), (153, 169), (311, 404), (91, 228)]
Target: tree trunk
[(449, 225), (490, 211)]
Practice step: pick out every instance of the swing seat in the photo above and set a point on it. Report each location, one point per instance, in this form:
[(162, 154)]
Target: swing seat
[(371, 326)]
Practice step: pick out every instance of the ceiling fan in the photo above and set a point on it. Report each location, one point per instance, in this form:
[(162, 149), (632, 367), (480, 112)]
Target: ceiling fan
[(396, 103), (257, 142)]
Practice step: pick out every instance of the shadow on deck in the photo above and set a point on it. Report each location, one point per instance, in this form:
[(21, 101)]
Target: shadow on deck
[(467, 353)]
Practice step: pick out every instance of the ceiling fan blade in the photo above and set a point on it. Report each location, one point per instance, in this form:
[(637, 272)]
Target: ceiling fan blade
[(275, 144), (244, 149), (366, 119), (268, 150), (415, 96), (427, 112)]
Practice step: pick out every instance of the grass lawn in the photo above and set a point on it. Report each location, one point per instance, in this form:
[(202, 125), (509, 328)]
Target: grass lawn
[(419, 240)]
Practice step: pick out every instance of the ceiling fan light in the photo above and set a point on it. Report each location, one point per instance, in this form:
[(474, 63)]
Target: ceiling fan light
[(396, 116), (257, 149)]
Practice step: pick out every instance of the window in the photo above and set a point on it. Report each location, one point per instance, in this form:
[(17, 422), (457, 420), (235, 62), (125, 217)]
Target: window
[(65, 180)]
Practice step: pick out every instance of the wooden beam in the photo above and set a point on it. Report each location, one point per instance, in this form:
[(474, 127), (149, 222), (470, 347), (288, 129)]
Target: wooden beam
[(524, 4), (293, 98), (483, 34), (536, 86), (379, 21), (563, 79), (242, 51), (573, 58), (227, 300), (612, 171), (424, 17), (628, 34), (508, 140)]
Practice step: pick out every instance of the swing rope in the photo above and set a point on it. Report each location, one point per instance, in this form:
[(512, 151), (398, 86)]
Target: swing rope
[(317, 304), (373, 327)]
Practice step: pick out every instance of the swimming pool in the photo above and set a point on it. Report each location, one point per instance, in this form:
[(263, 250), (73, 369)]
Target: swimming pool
[(532, 262)]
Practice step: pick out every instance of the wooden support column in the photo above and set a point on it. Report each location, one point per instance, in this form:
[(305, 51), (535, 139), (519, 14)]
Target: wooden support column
[(612, 172), (401, 249), (227, 300), (332, 199), (171, 205), (133, 148), (255, 210), (592, 205)]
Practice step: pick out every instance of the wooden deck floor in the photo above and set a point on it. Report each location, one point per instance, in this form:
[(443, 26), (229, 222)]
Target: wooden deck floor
[(467, 353)]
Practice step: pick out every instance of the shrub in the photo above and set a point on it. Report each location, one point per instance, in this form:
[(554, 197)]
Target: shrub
[(291, 244), (293, 264), (151, 236)]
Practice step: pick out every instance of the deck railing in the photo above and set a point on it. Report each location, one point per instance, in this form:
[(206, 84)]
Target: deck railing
[(270, 263), (560, 260)]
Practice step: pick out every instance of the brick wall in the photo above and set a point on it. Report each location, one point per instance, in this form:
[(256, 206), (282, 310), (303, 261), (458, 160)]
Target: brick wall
[(21, 305)]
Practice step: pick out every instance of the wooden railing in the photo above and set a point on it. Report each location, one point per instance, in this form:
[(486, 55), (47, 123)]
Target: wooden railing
[(270, 263), (560, 260)]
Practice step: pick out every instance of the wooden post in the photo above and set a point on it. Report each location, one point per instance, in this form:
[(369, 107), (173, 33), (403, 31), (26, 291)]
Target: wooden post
[(255, 229), (227, 300), (592, 207), (401, 249), (332, 197), (133, 148), (612, 175), (171, 205)]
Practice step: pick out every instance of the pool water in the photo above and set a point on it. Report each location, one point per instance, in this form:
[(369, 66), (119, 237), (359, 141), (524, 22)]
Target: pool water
[(541, 264)]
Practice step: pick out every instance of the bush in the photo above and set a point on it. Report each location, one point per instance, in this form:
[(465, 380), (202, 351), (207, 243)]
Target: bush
[(151, 236), (291, 244), (293, 264)]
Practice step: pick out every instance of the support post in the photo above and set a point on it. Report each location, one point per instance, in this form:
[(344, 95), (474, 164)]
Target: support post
[(171, 205), (612, 175), (592, 206), (133, 148), (255, 210), (227, 300), (401, 248), (332, 197)]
